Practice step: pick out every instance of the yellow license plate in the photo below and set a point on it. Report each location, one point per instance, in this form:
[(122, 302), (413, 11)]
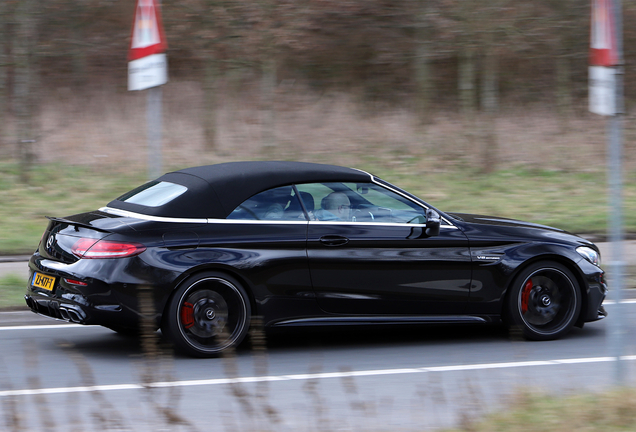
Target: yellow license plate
[(43, 281)]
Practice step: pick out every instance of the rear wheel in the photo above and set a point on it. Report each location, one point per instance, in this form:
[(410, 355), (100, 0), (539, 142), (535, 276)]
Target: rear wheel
[(207, 314), (544, 301)]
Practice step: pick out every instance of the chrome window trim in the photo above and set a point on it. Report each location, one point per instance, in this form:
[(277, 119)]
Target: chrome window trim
[(288, 222), (393, 224), (255, 221), (142, 216)]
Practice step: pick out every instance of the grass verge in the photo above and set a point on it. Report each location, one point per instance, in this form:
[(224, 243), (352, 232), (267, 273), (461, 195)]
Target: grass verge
[(12, 290), (54, 190), (610, 411), (574, 201)]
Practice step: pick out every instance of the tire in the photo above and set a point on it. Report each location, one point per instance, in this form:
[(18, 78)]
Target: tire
[(544, 301), (208, 313)]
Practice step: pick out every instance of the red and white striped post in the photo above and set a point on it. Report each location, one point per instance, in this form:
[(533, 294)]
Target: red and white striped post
[(606, 98), (148, 69)]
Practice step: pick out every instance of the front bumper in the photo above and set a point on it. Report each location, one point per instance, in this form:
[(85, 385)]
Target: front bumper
[(596, 292)]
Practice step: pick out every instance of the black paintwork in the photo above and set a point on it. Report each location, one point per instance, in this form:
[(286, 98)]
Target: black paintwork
[(301, 273)]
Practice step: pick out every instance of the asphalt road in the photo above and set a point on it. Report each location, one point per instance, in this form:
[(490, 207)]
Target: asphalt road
[(58, 376), (420, 378)]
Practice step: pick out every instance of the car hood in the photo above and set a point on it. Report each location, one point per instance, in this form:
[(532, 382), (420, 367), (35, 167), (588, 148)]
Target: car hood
[(493, 220), (516, 228)]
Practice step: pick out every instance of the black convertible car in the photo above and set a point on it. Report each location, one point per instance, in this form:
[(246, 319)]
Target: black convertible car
[(303, 244)]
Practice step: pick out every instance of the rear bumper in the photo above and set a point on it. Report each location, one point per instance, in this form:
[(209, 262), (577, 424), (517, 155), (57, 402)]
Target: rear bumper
[(79, 313), (58, 310), (81, 299)]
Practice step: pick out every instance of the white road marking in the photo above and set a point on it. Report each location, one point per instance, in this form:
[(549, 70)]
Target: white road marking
[(611, 302), (305, 377), (43, 327)]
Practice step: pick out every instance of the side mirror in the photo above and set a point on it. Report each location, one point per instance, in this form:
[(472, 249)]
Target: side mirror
[(432, 223)]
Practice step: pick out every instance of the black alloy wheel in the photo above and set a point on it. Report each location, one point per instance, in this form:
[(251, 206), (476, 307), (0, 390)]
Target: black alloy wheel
[(544, 301), (208, 313)]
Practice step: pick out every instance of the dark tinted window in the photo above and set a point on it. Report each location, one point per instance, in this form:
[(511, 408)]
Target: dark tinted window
[(359, 202), (274, 204)]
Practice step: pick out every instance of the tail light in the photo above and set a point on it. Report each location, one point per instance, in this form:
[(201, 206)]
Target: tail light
[(88, 248)]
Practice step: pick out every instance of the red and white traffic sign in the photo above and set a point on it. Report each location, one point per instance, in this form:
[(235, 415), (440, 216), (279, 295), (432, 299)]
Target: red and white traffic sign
[(147, 33), (603, 47), (148, 64)]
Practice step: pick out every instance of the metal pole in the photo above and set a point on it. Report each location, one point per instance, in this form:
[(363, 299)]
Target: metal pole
[(155, 125), (154, 114), (614, 156)]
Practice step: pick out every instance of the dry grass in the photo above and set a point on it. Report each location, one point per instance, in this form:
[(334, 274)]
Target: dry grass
[(536, 412), (107, 126)]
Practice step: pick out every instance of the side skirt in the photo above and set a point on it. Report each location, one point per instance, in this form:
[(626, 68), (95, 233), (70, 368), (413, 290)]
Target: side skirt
[(384, 320)]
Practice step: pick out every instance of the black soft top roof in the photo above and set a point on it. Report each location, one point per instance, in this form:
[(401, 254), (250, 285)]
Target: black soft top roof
[(215, 190)]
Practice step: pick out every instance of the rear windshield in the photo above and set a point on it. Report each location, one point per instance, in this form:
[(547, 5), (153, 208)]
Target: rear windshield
[(153, 194)]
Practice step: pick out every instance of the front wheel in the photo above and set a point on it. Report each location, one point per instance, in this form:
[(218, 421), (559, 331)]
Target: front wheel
[(544, 301), (207, 314)]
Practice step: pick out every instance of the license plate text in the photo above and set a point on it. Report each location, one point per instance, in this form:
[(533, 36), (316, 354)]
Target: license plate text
[(43, 281)]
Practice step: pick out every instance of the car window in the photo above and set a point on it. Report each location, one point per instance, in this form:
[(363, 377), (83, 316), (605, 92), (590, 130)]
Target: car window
[(154, 193), (358, 202), (273, 204)]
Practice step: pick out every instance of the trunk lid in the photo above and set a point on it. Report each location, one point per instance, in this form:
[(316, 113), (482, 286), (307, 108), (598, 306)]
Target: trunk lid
[(62, 234)]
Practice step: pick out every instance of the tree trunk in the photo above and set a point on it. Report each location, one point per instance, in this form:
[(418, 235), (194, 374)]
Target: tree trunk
[(422, 65), (490, 105), (466, 84), (4, 65), (209, 103), (268, 87), (563, 90), (79, 55), (24, 85), (489, 84)]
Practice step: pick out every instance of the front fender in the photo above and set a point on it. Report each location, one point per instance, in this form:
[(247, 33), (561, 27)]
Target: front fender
[(495, 268)]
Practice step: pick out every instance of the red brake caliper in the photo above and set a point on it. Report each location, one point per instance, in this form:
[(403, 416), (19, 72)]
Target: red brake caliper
[(525, 296), (187, 315)]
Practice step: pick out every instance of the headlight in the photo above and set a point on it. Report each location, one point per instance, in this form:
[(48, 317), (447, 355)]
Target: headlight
[(589, 254)]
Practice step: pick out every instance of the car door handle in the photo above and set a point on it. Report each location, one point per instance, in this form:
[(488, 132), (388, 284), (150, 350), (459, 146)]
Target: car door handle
[(334, 240)]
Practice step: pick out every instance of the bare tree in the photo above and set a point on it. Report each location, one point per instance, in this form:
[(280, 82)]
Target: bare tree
[(566, 29), (4, 66), (214, 28), (484, 31), (424, 34), (24, 82), (201, 24), (262, 20)]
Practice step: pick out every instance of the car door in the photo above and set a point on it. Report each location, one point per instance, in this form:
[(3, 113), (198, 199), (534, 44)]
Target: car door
[(379, 260), (264, 239)]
